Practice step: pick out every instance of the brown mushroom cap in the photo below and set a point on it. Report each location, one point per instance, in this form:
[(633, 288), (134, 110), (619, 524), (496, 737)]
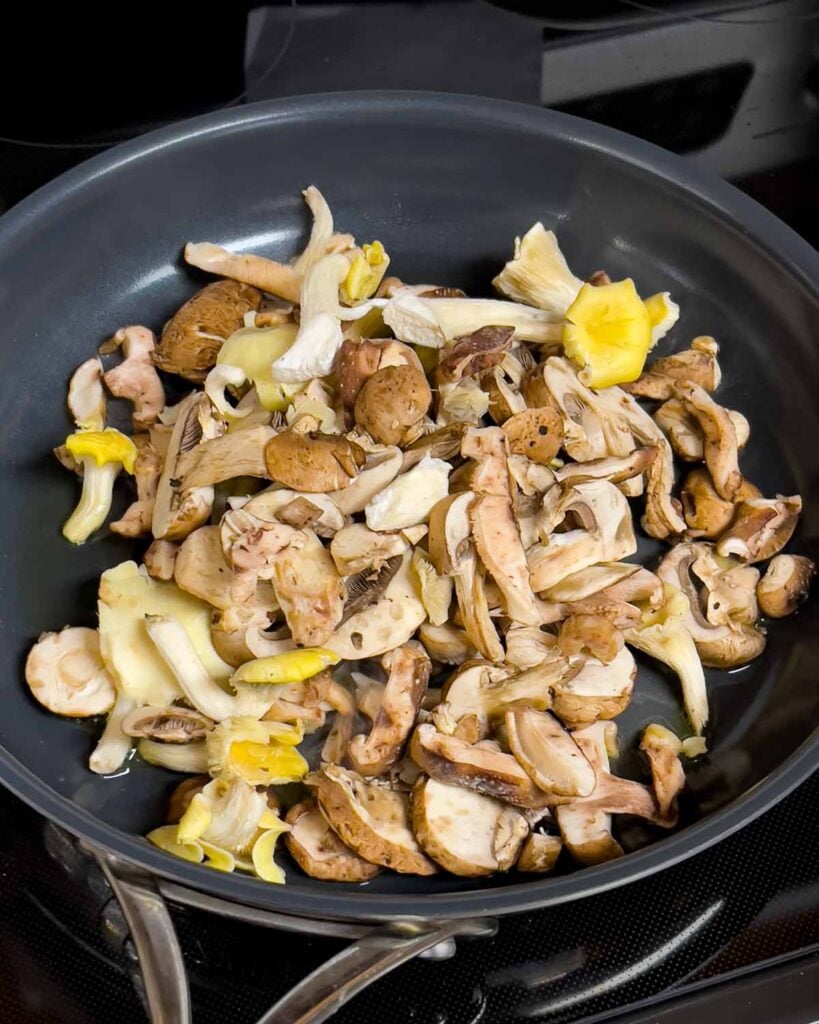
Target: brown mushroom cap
[(193, 336), (355, 363), (539, 853), (548, 753), (485, 769), (785, 585), (762, 527), (409, 670), (313, 462), (535, 433), (319, 852), (707, 514), (720, 444), (182, 795), (467, 833), (373, 820), (472, 353), (696, 365), (594, 633), (595, 692), (498, 541), (392, 404), (167, 725)]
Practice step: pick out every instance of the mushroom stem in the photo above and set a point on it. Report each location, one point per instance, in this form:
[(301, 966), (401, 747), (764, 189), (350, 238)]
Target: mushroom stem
[(174, 645), (114, 745)]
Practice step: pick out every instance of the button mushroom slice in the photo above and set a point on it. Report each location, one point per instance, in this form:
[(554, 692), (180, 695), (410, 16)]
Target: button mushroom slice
[(380, 468), (136, 521), (248, 268), (160, 559), (240, 453), (472, 353), (372, 819), (695, 365), (446, 644), (392, 404), (432, 322), (192, 338), (484, 769), (720, 445), (177, 511), (785, 585), (313, 462), (607, 534), (762, 527), (663, 749), (409, 670), (527, 646), (685, 434), (453, 554), (593, 633), (467, 833), (136, 378), (365, 588), (202, 570), (614, 469), (539, 853), (66, 673), (502, 390), (86, 398), (308, 589), (489, 447), (500, 549), (356, 548), (385, 625), (593, 692), (548, 753), (319, 852), (592, 580), (172, 724)]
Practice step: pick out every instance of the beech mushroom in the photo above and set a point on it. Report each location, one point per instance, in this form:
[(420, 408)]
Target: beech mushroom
[(66, 673), (192, 338), (761, 528), (409, 670), (719, 438), (548, 753), (468, 834), (785, 585), (372, 819), (480, 767), (136, 378), (319, 852)]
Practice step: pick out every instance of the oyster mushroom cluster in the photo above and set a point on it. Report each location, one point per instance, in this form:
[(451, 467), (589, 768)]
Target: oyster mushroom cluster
[(386, 550)]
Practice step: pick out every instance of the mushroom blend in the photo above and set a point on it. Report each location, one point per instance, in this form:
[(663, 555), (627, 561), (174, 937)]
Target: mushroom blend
[(388, 550)]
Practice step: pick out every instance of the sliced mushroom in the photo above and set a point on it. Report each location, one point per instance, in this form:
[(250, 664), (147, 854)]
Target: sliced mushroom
[(392, 404), (313, 462), (319, 852), (591, 580), (372, 819), (614, 469), (136, 378), (607, 536), (539, 854), (308, 589), (595, 692), (685, 433), (356, 548), (707, 514), (719, 438), (86, 398), (548, 753), (695, 365), (489, 448), (192, 338), (239, 453), (469, 355), (409, 670), (502, 390), (409, 499), (663, 748), (785, 585), (160, 559), (499, 546), (467, 833), (446, 643), (66, 674), (365, 588), (202, 570), (385, 625), (335, 745), (178, 511), (379, 470), (762, 527), (527, 646), (482, 768), (136, 521), (593, 633), (167, 725)]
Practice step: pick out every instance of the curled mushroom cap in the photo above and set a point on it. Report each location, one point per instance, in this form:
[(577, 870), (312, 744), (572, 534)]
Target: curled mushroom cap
[(762, 527), (192, 338), (66, 674), (467, 833), (548, 753), (695, 365), (594, 691), (392, 404), (483, 768), (136, 378), (319, 852), (168, 725), (594, 633), (409, 670), (372, 819), (719, 437), (313, 462), (785, 585)]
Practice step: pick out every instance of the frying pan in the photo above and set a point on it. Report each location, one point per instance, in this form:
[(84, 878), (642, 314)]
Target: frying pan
[(446, 182)]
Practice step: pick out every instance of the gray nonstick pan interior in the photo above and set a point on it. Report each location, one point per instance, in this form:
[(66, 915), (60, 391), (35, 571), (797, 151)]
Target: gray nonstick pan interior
[(446, 183)]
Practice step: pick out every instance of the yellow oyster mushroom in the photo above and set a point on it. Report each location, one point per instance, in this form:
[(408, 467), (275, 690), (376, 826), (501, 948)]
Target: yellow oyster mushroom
[(365, 274), (290, 667), (102, 454)]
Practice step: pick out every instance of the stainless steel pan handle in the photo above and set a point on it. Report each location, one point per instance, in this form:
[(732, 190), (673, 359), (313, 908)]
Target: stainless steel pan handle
[(374, 951)]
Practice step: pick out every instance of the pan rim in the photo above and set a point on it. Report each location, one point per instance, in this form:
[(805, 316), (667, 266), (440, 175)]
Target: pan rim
[(768, 233)]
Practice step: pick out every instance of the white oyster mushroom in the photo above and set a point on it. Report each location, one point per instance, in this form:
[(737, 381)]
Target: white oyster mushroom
[(409, 499), (539, 274), (86, 398), (114, 746)]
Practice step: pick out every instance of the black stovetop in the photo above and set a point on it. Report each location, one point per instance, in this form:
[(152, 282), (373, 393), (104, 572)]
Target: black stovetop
[(733, 933)]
